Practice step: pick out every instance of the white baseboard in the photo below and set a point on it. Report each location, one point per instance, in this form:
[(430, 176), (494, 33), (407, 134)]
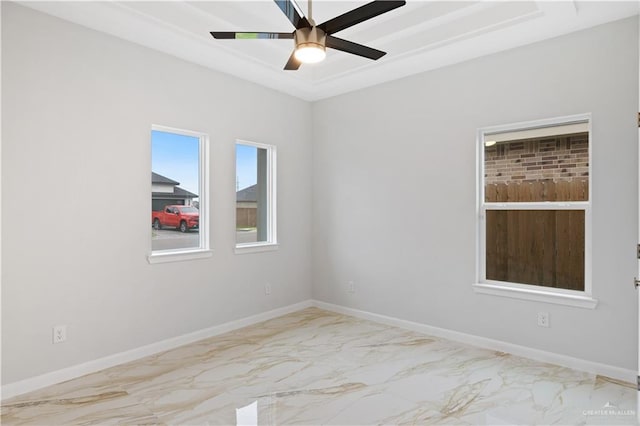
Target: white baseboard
[(38, 382), (483, 342), (58, 376)]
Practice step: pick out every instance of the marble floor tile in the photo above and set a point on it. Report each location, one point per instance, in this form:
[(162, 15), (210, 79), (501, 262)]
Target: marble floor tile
[(373, 408), (316, 367), (91, 399)]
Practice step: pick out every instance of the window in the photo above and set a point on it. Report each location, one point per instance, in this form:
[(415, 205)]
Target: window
[(179, 209), (534, 211), (255, 196)]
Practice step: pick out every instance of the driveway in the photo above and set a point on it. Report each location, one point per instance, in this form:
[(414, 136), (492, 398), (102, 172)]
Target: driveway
[(248, 236), (167, 239)]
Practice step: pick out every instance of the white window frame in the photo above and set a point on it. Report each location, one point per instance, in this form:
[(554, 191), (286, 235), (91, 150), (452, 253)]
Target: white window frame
[(560, 296), (204, 249), (272, 239)]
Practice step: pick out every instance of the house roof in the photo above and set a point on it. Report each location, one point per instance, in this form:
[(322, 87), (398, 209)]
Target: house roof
[(250, 193), (156, 178), (178, 193)]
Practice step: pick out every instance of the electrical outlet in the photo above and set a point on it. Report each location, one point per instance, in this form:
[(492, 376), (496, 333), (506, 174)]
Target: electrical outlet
[(543, 319), (267, 289), (59, 333), (351, 287)]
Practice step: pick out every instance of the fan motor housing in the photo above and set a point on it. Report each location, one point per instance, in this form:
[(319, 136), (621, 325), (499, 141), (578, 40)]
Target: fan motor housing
[(310, 37)]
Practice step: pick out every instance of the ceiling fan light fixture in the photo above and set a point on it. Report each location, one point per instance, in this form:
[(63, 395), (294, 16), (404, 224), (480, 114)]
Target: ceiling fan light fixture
[(310, 45), (311, 40), (310, 53)]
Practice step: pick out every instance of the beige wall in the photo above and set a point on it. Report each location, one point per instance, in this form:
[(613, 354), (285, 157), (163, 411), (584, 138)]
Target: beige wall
[(159, 187)]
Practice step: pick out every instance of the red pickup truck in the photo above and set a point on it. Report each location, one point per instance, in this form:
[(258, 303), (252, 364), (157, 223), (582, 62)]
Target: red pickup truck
[(181, 217)]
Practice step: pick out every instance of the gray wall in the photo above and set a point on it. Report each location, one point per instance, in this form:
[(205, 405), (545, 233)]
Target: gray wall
[(77, 112), (394, 172)]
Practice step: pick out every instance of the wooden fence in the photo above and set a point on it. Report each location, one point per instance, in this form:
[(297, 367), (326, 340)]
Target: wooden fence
[(246, 217), (542, 190), (540, 247)]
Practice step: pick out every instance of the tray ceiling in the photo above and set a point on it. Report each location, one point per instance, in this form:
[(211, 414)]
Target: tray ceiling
[(420, 36)]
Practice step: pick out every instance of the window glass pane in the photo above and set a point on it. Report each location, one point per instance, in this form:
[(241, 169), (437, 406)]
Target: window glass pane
[(175, 175), (538, 247), (545, 168), (252, 198)]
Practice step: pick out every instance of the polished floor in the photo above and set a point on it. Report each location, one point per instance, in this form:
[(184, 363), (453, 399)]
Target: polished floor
[(315, 367)]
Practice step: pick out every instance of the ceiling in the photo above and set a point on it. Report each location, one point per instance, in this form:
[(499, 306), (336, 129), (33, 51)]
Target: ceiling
[(420, 36)]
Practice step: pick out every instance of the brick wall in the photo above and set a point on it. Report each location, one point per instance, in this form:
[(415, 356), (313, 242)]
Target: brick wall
[(556, 158)]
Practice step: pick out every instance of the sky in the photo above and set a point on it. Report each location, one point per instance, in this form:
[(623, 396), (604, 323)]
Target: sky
[(246, 166), (176, 157)]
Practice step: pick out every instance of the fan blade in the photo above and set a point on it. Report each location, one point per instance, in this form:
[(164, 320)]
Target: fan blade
[(360, 14), (248, 35), (292, 14), (292, 64), (354, 48)]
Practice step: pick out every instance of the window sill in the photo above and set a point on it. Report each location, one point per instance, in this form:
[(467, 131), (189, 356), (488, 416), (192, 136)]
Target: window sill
[(577, 300), (178, 256), (255, 248)]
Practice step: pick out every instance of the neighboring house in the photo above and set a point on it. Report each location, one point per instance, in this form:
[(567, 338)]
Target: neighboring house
[(166, 191), (247, 207)]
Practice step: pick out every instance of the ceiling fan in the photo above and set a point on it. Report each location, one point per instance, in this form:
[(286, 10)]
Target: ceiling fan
[(311, 40)]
